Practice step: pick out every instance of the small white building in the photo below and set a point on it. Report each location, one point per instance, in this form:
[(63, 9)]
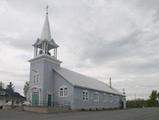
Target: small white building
[(53, 85), (8, 98)]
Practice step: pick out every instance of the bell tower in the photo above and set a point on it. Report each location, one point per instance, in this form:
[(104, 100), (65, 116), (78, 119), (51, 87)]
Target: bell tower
[(42, 66), (45, 45)]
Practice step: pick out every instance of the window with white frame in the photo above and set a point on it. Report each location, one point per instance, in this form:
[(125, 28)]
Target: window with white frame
[(35, 77), (63, 92), (96, 97), (85, 95)]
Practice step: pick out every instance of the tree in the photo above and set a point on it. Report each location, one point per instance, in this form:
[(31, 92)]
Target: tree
[(158, 98), (26, 88), (137, 103), (1, 85), (152, 102), (10, 87)]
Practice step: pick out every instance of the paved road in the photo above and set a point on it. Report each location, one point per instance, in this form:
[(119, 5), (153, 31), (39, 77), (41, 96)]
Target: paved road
[(130, 114)]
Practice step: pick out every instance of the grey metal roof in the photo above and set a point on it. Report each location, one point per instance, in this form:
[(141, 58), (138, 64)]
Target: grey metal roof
[(77, 79)]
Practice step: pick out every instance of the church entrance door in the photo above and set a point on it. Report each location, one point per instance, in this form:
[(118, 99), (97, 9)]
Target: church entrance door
[(35, 98)]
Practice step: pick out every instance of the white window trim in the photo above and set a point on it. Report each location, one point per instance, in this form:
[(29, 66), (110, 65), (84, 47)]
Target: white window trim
[(63, 91), (36, 77), (86, 96)]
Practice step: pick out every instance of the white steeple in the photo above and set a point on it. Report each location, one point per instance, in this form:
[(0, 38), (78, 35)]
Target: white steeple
[(46, 33), (45, 43)]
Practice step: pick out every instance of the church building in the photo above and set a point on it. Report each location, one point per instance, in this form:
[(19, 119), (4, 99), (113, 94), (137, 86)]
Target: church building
[(54, 86)]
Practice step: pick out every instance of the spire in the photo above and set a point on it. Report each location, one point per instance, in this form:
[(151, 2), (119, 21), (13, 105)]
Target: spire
[(45, 43), (46, 33)]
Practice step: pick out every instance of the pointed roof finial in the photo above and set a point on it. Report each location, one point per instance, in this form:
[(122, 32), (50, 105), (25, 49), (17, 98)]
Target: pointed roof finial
[(47, 7), (46, 32)]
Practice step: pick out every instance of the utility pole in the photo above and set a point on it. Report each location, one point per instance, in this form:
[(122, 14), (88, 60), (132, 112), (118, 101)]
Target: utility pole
[(110, 82), (124, 99), (124, 91)]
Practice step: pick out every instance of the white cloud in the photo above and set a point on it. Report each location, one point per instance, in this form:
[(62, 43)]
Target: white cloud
[(99, 38), (14, 65)]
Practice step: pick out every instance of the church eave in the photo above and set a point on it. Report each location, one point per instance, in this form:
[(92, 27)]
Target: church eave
[(46, 57), (51, 44)]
